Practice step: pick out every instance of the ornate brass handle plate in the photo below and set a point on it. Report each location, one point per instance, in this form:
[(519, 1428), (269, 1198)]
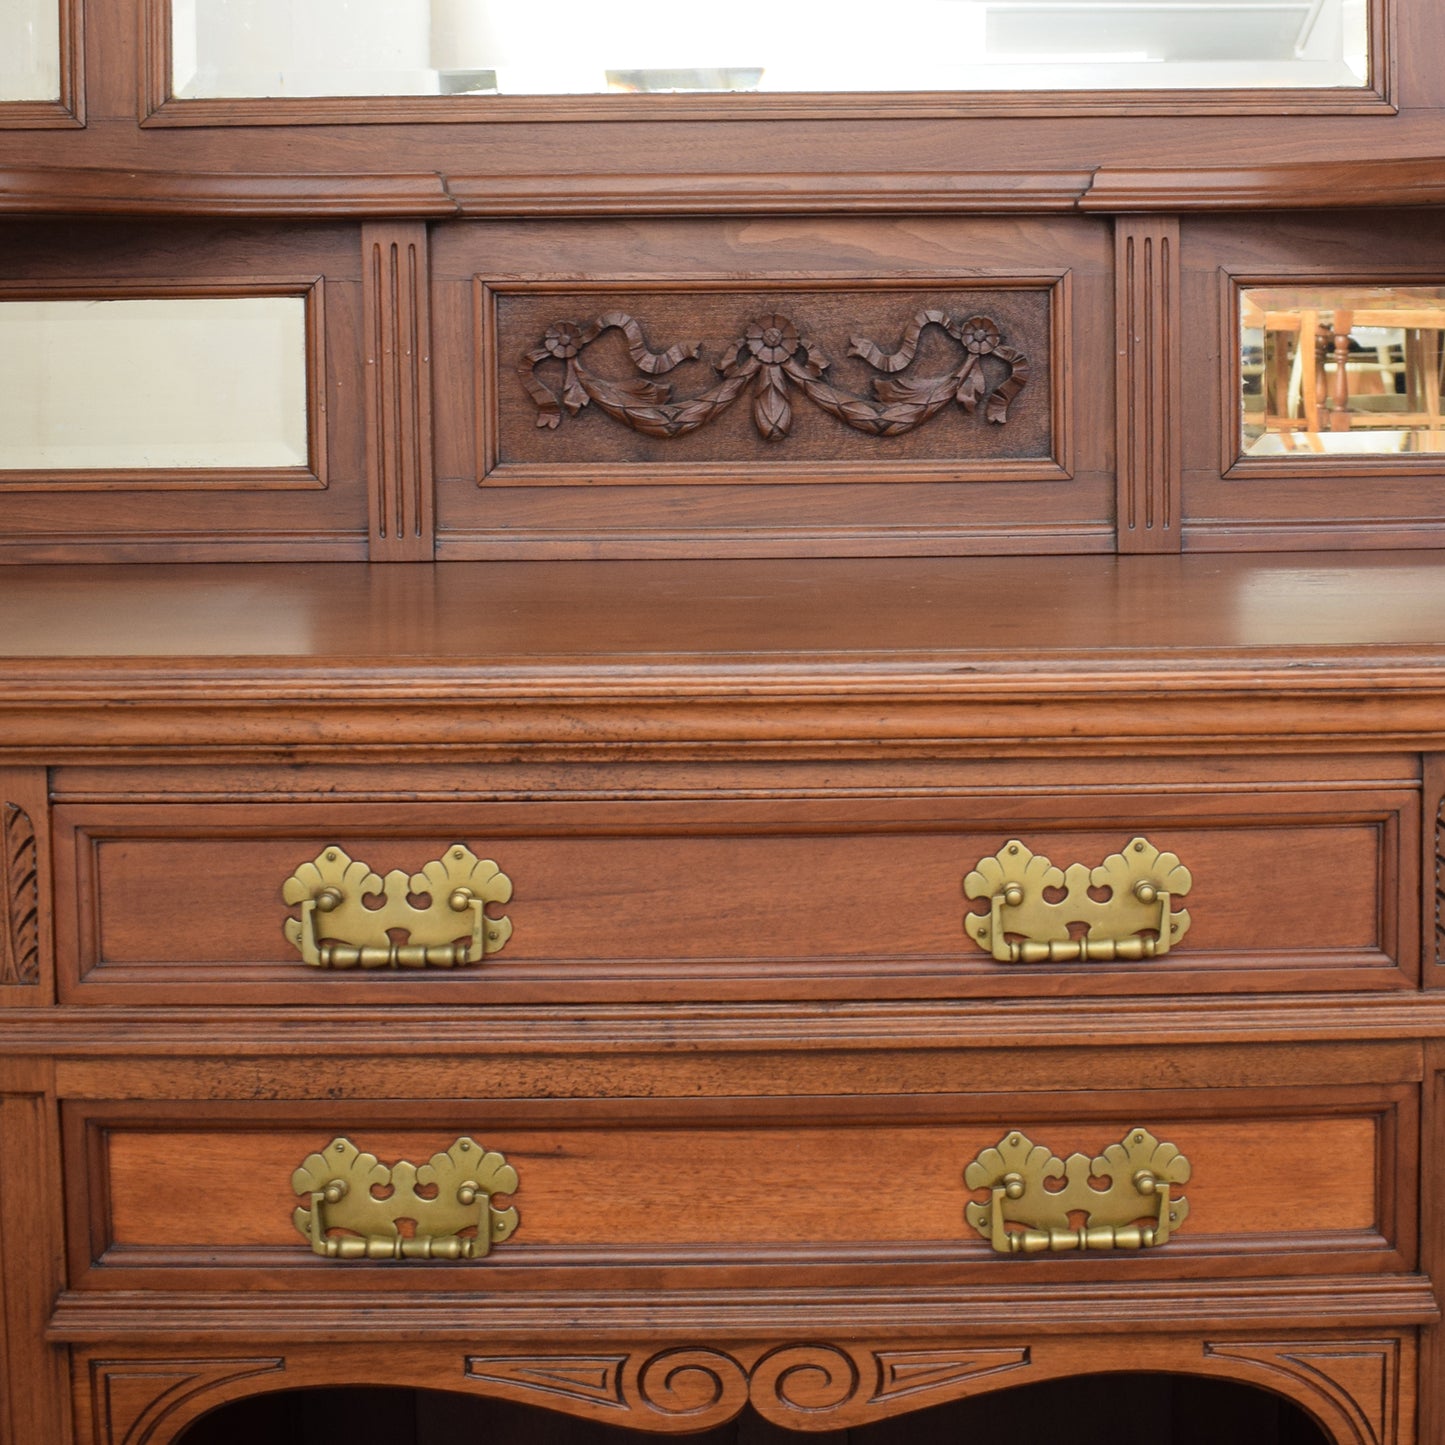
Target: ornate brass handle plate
[(1140, 1171), (454, 1219), (337, 930), (1136, 920)]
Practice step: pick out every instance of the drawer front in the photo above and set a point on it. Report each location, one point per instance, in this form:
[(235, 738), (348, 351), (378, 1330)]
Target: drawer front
[(594, 1194), (1289, 887)]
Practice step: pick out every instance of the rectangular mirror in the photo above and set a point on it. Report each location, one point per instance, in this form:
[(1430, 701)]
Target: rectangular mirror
[(154, 384), (1341, 370), (29, 50), (277, 48)]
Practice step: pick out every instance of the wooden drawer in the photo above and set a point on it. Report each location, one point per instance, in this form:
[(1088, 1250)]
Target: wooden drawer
[(1300, 881), (616, 1194)]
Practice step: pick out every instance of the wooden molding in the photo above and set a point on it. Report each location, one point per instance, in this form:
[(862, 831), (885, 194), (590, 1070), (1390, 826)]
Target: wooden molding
[(1116, 190), (134, 1399), (396, 323), (31, 1246), (60, 191), (784, 192), (1300, 185), (1149, 394), (1352, 1385)]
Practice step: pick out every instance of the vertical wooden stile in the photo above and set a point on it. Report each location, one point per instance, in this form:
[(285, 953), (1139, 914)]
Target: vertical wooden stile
[(397, 324), (1149, 455)]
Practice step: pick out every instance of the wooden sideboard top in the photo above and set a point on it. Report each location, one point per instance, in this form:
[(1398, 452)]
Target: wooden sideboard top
[(685, 651), (636, 615)]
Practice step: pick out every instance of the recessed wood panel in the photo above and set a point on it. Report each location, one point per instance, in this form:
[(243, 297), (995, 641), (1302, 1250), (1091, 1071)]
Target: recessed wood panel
[(1306, 497), (121, 508), (801, 1183), (830, 897), (871, 386), (699, 383)]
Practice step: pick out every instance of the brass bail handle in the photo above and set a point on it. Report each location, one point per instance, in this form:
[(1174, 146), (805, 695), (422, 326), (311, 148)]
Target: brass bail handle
[(1137, 1209), (1086, 1237), (445, 1204), (337, 930), (1135, 920)]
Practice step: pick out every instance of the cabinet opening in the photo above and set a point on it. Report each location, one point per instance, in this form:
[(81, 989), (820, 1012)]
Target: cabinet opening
[(1119, 1409)]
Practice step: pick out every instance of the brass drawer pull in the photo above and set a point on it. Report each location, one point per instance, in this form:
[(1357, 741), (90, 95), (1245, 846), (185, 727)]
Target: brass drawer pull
[(454, 1220), (332, 888), (1023, 926), (1140, 1171)]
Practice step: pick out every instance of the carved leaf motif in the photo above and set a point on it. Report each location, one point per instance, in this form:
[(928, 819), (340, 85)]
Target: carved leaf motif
[(20, 898), (771, 411)]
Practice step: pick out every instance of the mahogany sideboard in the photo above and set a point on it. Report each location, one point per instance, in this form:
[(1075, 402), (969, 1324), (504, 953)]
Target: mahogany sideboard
[(773, 827)]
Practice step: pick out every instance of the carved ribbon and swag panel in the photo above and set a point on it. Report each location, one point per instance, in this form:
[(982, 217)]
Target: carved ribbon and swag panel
[(772, 360), (770, 383)]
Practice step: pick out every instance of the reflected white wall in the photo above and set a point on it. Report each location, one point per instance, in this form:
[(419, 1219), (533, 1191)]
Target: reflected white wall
[(302, 47), (189, 382), (29, 50), (355, 47)]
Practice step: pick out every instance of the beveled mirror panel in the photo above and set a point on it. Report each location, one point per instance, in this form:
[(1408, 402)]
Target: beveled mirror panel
[(1341, 370), (29, 50), (152, 384), (278, 48)]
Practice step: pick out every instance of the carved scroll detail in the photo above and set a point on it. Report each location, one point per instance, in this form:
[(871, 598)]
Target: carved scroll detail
[(136, 1400), (1354, 1385), (774, 360), (800, 1386), (19, 898)]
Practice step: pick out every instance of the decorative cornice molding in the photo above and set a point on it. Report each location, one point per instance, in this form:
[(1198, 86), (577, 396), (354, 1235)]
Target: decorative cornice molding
[(1302, 185), (1314, 185), (61, 191), (603, 1322)]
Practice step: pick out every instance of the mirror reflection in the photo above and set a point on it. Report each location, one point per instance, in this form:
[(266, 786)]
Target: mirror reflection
[(1342, 369), (428, 47), (29, 50), (194, 382)]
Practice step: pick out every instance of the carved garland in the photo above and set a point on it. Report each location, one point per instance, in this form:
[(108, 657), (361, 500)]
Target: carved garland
[(19, 898), (773, 358)]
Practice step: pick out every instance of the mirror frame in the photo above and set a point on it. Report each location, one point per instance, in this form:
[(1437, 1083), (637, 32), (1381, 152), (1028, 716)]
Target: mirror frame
[(1238, 465), (68, 112), (313, 475), (160, 108)]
